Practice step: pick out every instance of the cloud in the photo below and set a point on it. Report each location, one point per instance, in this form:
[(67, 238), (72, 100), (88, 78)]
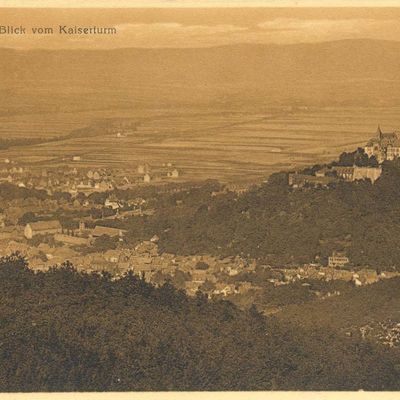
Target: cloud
[(175, 34), (296, 30), (278, 30)]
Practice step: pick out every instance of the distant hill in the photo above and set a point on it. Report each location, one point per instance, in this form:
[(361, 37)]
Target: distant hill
[(357, 72)]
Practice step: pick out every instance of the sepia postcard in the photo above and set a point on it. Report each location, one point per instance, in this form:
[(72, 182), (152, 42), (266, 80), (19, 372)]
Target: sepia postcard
[(199, 198)]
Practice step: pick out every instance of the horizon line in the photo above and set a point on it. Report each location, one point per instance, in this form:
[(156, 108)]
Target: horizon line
[(195, 48)]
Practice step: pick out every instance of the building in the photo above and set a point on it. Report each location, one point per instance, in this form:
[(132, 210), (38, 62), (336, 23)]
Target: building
[(371, 173), (96, 176), (104, 230), (71, 240), (355, 173), (337, 259), (147, 178), (173, 174), (113, 204), (42, 228), (384, 146), (143, 169), (345, 173)]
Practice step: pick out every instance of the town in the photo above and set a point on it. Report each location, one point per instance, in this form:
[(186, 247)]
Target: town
[(79, 215)]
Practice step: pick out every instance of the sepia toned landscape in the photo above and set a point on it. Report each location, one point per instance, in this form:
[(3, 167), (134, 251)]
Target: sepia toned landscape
[(205, 199)]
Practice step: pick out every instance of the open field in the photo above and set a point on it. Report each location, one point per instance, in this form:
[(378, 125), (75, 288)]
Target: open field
[(230, 145)]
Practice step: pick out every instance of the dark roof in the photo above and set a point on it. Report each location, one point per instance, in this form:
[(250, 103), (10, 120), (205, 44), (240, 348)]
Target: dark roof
[(104, 230), (344, 170)]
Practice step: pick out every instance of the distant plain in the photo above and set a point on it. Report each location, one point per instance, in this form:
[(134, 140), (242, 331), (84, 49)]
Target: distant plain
[(233, 113), (229, 146)]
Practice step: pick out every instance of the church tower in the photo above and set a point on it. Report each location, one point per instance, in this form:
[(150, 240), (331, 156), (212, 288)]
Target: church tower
[(379, 132)]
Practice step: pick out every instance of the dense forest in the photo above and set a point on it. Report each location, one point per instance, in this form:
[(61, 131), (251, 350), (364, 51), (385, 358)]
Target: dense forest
[(64, 330)]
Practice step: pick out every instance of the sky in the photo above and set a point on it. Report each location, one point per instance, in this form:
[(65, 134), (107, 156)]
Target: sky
[(190, 27)]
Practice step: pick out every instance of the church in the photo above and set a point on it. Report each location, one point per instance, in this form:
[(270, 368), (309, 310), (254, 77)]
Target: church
[(385, 146)]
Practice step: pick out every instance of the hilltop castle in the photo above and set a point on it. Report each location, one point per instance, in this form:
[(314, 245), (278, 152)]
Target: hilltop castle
[(385, 146)]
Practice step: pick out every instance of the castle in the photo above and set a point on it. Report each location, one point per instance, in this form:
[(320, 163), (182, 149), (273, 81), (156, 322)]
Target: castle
[(385, 146)]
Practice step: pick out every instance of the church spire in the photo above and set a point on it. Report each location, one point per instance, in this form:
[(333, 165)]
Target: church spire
[(379, 132)]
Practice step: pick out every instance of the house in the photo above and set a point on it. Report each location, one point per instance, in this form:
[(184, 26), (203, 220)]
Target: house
[(146, 178), (385, 146), (145, 270), (112, 256), (337, 259), (104, 230), (113, 204), (322, 172), (173, 174), (143, 169), (238, 188), (76, 158), (199, 275), (356, 281), (192, 287), (96, 176), (42, 228), (154, 239), (225, 289), (103, 186)]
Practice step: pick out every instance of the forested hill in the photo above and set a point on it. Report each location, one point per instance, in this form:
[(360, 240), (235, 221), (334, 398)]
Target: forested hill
[(67, 331), (370, 304), (282, 226)]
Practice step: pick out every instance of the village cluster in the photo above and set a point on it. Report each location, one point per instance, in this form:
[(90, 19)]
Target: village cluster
[(74, 180)]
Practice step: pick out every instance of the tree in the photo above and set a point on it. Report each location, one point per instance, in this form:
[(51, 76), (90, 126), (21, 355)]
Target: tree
[(104, 243), (202, 265), (180, 278), (27, 218), (159, 278)]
